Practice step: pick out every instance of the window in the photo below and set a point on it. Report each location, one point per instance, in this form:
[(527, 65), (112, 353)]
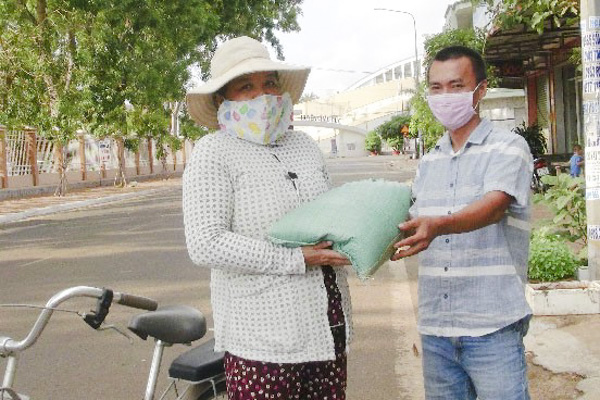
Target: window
[(398, 72), (351, 146)]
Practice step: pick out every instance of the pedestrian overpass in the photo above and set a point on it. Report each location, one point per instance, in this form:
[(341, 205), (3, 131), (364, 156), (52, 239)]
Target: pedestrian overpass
[(322, 124)]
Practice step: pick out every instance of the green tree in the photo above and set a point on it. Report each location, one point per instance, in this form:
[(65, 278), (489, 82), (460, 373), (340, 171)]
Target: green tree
[(42, 79), (534, 14), (373, 142), (72, 64), (146, 50), (391, 131), (188, 129)]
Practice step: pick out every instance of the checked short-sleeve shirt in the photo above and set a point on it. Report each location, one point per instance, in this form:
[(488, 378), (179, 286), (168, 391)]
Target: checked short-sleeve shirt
[(472, 284)]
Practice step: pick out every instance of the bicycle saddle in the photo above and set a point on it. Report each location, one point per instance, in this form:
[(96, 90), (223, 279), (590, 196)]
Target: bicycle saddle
[(171, 324), (198, 364)]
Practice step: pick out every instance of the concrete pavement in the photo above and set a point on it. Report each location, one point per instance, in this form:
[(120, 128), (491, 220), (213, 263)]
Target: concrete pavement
[(20, 208), (568, 345), (560, 344)]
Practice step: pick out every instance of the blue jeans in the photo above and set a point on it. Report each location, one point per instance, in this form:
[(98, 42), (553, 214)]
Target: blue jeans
[(490, 367)]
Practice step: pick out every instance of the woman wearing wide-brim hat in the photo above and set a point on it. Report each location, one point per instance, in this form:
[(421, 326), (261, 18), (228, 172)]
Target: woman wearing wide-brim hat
[(281, 315)]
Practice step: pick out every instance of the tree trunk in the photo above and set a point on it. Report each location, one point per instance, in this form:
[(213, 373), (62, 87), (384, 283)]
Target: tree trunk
[(3, 159), (31, 138), (120, 178), (61, 162)]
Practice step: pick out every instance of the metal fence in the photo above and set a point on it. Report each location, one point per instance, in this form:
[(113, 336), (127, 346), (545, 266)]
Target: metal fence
[(98, 153), (17, 155)]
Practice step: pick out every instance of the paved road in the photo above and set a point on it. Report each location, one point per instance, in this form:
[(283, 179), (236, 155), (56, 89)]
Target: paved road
[(137, 245)]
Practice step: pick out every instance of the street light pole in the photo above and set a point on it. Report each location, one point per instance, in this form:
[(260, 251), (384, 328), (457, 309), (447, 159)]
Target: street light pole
[(418, 64), (416, 45)]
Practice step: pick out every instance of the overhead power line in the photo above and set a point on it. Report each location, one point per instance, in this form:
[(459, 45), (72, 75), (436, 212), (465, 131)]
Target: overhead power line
[(343, 70)]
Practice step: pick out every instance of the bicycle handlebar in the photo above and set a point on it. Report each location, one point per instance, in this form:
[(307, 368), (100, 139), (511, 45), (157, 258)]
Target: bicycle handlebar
[(8, 345), (130, 300)]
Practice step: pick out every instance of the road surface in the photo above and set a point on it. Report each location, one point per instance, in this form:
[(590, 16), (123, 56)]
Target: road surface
[(138, 246)]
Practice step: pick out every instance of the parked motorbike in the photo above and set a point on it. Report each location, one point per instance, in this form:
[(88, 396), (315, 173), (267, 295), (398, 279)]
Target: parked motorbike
[(540, 168)]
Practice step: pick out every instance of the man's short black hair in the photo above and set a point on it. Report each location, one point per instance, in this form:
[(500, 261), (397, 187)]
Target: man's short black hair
[(454, 52)]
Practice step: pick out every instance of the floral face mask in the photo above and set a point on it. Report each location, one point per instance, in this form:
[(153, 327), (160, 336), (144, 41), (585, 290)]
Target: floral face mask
[(262, 120)]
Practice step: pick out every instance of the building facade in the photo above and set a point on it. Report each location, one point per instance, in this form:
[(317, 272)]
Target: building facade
[(339, 123)]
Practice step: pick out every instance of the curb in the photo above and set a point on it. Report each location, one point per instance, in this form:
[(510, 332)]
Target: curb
[(17, 193), (19, 216)]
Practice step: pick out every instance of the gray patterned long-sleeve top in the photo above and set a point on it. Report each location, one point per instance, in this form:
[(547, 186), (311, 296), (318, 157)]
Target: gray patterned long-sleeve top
[(267, 305)]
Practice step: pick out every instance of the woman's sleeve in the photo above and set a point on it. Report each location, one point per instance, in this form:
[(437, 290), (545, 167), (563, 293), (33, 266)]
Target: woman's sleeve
[(207, 216)]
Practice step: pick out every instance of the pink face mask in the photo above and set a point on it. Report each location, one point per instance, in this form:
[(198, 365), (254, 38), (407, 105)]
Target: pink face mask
[(453, 110)]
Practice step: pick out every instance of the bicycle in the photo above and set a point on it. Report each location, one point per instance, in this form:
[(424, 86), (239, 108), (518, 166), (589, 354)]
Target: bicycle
[(200, 369)]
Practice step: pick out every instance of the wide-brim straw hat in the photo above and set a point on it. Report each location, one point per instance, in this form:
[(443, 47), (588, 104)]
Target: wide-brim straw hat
[(237, 57)]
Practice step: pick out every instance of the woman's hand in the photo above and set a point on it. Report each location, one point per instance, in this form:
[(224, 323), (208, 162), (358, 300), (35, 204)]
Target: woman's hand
[(321, 254)]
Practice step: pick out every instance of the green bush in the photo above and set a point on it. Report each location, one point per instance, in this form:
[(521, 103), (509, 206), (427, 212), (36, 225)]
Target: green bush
[(395, 143), (373, 142), (391, 131), (534, 137), (565, 198), (550, 259)]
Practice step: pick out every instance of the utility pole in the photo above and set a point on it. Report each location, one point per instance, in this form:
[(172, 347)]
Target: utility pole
[(590, 39)]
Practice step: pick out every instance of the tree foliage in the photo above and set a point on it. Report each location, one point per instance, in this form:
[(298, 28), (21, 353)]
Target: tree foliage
[(391, 131), (189, 129), (474, 39), (550, 259), (534, 14), (534, 137), (42, 83), (537, 15), (566, 199), (71, 64), (373, 142)]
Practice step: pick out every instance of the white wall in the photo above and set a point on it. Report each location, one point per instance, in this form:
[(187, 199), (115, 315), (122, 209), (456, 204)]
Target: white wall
[(506, 108)]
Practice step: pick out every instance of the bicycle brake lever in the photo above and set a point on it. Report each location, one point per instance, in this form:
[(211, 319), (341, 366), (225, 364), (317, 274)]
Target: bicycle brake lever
[(116, 328), (97, 317)]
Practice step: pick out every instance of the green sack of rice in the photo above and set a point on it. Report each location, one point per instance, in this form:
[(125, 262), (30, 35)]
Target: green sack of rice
[(360, 218)]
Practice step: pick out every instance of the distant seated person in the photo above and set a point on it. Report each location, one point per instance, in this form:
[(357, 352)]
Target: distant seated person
[(576, 160)]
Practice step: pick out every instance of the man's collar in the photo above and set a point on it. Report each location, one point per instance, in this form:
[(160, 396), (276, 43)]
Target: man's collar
[(476, 137), (480, 132)]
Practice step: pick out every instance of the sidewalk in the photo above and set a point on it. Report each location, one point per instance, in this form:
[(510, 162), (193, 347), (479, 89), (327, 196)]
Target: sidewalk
[(563, 351), (13, 210)]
